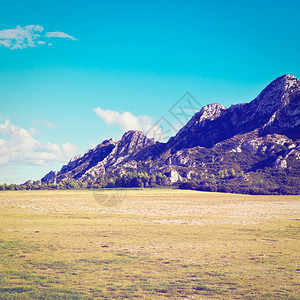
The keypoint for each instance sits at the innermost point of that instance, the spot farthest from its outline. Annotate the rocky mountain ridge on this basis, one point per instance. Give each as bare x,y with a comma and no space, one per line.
274,110
252,140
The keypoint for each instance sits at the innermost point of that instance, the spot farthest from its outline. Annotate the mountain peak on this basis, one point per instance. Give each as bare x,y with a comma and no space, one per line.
208,112
132,141
275,96
285,119
287,76
132,133
211,111
278,88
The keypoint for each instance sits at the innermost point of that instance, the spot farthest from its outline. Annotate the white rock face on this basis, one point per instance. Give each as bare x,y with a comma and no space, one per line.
131,164
178,159
207,112
237,149
280,163
211,112
94,172
174,176
252,145
282,141
75,157
295,152
130,143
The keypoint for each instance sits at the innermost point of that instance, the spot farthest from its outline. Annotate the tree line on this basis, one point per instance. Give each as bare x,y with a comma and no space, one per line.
128,179
228,180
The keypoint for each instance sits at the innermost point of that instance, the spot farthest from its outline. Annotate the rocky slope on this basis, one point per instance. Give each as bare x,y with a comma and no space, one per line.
243,148
104,158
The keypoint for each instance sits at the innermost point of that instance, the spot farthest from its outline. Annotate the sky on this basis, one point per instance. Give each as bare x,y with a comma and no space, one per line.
74,73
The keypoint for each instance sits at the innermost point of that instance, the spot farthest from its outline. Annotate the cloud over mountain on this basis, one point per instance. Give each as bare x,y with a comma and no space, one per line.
125,120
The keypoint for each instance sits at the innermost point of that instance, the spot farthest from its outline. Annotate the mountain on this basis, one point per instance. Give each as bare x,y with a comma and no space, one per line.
249,148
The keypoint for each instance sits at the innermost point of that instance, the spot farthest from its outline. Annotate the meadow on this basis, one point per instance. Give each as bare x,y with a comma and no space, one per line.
148,244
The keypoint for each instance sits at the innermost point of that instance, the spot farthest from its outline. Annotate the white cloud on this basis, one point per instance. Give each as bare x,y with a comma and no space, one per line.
160,130
59,34
27,36
68,148
45,122
6,43
126,120
20,147
20,37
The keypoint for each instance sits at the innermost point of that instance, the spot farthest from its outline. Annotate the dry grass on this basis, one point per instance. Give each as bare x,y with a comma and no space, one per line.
156,244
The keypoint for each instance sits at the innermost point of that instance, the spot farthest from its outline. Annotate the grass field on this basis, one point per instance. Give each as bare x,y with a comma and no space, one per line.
155,244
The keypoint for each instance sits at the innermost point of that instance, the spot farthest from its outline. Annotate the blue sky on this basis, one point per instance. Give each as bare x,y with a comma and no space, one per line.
73,73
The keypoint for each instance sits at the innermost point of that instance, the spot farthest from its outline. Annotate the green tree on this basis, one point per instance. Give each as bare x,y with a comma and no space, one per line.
111,183
233,173
221,174
226,173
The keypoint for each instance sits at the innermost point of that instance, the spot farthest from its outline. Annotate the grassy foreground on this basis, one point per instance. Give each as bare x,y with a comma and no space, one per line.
154,244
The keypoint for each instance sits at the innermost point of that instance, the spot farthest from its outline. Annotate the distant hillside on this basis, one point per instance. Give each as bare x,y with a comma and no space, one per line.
247,148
